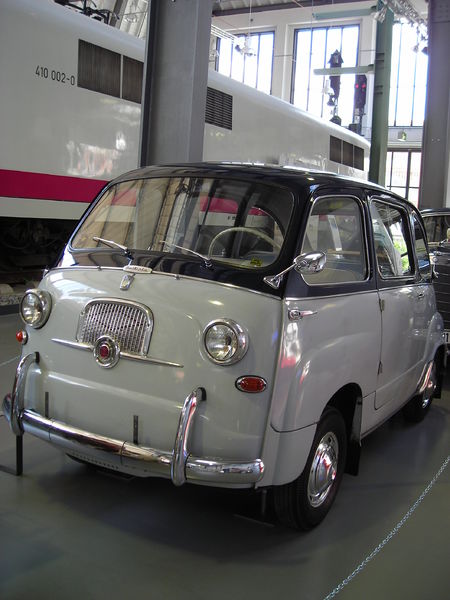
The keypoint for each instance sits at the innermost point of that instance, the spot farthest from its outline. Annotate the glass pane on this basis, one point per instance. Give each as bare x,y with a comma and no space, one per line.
237,65
414,169
225,49
318,61
251,62
420,91
238,222
301,74
335,228
388,169
350,37
399,168
396,36
401,191
265,62
390,237
413,196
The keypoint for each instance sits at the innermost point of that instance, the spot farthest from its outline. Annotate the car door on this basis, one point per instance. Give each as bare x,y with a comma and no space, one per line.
401,298
332,334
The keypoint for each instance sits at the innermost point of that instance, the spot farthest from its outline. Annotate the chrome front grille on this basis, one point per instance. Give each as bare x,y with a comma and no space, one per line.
129,323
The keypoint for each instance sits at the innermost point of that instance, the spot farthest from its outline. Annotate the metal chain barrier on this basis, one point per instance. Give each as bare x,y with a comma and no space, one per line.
394,531
9,361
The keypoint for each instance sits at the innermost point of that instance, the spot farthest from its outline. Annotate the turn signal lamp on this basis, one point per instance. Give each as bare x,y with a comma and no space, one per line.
22,337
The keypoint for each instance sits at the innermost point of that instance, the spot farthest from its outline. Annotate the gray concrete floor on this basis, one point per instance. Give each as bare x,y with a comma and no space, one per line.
69,532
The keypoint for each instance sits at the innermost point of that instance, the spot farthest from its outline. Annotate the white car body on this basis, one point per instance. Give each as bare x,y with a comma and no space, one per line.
363,345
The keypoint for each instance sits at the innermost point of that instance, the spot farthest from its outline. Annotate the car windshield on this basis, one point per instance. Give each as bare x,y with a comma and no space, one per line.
238,222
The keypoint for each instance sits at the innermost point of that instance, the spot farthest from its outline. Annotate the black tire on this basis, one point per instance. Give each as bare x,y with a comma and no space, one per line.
304,503
418,407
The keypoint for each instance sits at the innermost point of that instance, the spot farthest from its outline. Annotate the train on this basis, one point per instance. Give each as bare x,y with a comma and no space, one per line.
70,121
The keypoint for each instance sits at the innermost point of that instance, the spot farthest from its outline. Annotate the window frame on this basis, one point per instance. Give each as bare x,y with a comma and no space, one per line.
252,34
360,205
327,28
399,280
390,156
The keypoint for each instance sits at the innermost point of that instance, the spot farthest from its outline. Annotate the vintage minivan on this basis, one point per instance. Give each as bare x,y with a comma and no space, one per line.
234,326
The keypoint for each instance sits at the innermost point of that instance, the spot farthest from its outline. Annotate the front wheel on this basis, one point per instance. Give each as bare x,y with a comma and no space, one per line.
304,502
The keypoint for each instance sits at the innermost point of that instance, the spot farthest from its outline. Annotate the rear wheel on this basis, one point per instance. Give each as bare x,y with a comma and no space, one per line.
417,407
304,503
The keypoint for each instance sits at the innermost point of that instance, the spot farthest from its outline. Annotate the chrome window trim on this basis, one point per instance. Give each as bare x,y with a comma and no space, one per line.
361,204
402,209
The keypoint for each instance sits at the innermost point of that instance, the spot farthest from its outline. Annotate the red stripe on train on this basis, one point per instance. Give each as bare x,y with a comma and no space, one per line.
23,184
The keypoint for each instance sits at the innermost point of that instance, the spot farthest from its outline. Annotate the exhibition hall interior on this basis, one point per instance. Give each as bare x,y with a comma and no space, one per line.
224,299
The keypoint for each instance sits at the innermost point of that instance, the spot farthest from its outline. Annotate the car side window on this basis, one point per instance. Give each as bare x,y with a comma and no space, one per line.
335,227
390,228
423,258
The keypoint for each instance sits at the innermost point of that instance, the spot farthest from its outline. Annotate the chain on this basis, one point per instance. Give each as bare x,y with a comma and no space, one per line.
394,531
9,361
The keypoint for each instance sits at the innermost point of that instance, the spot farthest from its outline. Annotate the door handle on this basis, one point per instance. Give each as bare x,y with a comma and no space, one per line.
296,315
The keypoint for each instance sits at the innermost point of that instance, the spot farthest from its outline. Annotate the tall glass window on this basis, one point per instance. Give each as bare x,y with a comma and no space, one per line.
250,60
408,78
312,50
403,173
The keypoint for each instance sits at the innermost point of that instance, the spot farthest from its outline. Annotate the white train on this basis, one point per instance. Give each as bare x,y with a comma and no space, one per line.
70,118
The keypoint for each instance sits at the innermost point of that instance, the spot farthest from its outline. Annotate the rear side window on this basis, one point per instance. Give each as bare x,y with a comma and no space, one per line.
335,227
390,227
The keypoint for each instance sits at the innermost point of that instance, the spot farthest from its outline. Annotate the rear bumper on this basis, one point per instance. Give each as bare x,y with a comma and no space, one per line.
178,465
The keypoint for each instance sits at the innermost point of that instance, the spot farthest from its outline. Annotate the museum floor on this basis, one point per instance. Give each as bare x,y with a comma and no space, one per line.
67,531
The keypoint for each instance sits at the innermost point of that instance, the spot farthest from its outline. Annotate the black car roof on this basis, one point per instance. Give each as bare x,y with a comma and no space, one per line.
274,173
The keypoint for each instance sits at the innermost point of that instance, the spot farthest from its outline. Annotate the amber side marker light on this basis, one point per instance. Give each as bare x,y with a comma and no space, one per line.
22,337
251,384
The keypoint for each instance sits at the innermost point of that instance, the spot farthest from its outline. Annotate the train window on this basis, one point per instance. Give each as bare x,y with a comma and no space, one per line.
358,158
98,69
335,149
132,79
347,154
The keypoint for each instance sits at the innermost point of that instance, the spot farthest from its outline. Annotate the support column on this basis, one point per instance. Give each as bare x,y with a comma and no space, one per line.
175,81
434,181
380,109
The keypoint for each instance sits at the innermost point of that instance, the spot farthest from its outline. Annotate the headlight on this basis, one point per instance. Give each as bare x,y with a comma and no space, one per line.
35,308
225,341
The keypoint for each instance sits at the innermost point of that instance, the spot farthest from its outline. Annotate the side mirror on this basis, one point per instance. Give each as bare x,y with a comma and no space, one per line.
311,262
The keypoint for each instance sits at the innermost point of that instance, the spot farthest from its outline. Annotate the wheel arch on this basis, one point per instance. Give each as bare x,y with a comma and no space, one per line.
348,401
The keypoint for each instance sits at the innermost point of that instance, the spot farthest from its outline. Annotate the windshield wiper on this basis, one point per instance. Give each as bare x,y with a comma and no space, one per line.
205,259
113,244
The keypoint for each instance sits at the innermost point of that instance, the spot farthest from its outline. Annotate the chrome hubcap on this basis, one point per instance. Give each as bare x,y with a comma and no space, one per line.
323,469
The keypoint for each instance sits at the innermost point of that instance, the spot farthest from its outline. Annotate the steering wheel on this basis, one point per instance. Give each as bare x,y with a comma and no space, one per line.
256,232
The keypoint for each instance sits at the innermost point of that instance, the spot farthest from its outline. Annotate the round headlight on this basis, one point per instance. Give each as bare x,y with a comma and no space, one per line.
35,308
226,342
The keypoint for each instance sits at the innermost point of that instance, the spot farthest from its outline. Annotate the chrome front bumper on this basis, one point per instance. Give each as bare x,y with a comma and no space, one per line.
178,464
